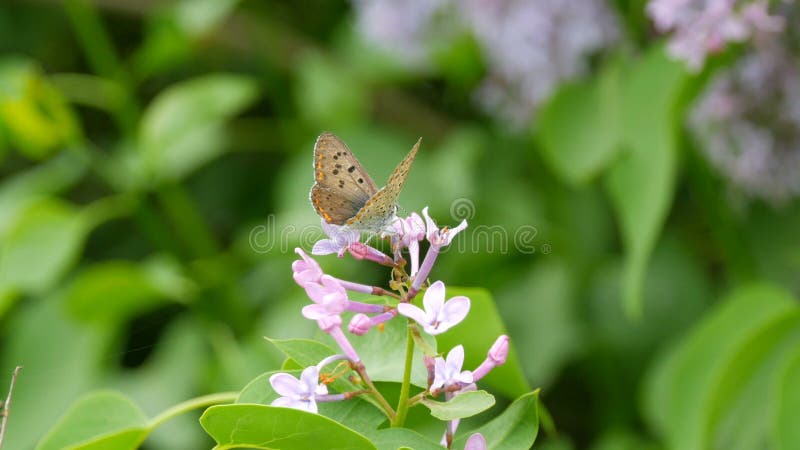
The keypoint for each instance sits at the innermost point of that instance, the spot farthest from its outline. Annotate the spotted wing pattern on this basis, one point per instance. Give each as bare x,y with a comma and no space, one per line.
342,187
378,212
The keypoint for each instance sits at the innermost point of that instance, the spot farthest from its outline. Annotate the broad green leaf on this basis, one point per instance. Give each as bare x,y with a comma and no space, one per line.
183,127
47,227
641,182
705,390
477,333
50,177
35,116
462,405
541,312
515,429
401,438
59,359
101,420
356,413
275,428
116,290
579,129
329,94
787,395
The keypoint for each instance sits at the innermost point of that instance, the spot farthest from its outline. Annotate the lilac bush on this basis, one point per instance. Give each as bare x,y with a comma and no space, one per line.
447,377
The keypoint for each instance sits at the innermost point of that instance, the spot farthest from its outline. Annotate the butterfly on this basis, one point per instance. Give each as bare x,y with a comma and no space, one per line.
344,194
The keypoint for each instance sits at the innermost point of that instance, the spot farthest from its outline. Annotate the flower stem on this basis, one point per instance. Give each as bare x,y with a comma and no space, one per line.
402,405
188,405
362,372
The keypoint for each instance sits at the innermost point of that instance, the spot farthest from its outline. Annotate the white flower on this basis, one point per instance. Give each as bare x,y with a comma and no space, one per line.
298,394
438,316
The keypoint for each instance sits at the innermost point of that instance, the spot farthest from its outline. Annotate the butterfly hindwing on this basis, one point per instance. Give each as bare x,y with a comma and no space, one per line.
342,187
378,211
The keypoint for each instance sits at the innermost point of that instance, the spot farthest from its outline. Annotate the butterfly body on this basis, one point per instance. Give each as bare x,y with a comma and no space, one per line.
344,194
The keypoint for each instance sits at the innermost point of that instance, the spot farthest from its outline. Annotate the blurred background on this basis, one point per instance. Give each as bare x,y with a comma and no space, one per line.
641,158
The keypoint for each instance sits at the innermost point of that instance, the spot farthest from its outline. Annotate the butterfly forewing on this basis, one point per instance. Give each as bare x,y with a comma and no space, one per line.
378,211
341,187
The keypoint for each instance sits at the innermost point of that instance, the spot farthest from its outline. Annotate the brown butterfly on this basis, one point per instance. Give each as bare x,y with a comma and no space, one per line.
343,192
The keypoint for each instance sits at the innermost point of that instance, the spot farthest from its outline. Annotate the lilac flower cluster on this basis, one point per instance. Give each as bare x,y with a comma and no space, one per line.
703,27
530,46
330,300
748,123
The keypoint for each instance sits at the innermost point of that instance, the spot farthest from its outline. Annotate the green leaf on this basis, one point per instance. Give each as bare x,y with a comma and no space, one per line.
50,177
516,428
462,405
641,183
275,428
401,438
579,129
117,290
183,127
34,115
477,333
787,433
101,420
709,393
60,361
328,94
47,227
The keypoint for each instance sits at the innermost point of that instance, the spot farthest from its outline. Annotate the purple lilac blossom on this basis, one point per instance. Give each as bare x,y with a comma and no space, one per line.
703,27
448,370
299,394
529,46
339,239
476,442
747,122
438,315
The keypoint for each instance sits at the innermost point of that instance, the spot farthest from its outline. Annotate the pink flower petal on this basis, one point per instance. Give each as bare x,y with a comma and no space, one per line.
413,312
455,310
285,384
476,442
434,299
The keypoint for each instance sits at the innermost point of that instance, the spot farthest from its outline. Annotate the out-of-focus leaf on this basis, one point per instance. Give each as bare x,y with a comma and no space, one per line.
462,405
35,116
49,177
580,128
543,320
641,183
401,438
356,414
60,361
787,396
276,428
183,127
516,428
327,94
116,290
704,393
40,245
101,420
170,375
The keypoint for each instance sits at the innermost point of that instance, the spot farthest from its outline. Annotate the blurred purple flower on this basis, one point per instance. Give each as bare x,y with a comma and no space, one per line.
476,442
703,27
530,46
305,270
748,122
329,297
438,316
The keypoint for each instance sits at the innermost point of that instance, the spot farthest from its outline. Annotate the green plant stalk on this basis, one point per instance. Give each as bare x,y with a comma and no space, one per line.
402,404
191,404
387,408
99,49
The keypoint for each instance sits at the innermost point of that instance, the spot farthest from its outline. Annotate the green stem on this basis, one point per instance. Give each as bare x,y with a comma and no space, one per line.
387,408
187,221
102,56
402,405
188,405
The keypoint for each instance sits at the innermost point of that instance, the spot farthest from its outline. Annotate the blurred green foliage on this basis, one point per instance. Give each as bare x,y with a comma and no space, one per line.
143,145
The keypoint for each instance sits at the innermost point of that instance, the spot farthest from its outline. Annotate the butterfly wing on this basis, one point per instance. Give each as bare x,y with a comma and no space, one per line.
378,211
341,186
